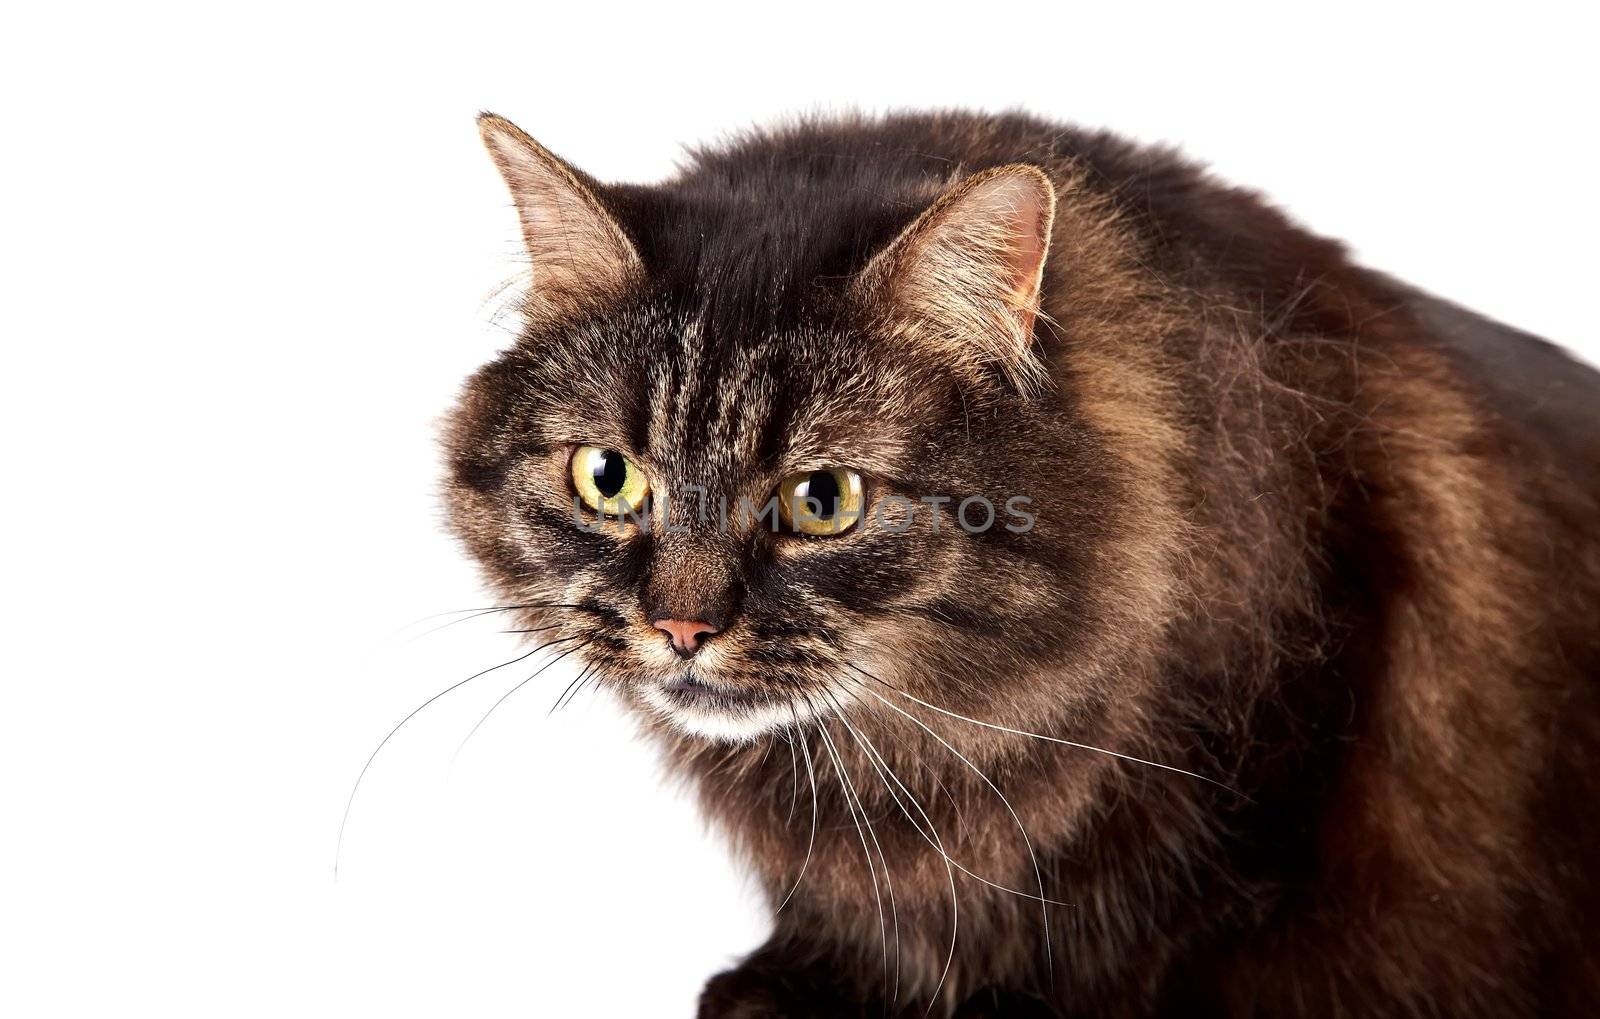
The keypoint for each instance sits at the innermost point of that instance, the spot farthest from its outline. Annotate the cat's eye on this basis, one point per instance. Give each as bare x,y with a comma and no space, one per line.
821,503
607,481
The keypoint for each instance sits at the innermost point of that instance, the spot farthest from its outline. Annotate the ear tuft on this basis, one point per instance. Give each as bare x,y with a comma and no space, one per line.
965,277
580,253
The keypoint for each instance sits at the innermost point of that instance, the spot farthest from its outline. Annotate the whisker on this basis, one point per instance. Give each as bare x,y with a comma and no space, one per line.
570,688
872,870
1050,739
811,773
961,818
596,678
536,672
1032,856
766,752
473,614
589,673
950,860
938,844
356,788
794,791
466,615
888,879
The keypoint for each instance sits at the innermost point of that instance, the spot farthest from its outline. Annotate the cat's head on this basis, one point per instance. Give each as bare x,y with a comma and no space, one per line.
852,469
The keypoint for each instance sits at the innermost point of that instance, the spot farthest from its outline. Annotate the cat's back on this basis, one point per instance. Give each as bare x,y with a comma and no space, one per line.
1551,398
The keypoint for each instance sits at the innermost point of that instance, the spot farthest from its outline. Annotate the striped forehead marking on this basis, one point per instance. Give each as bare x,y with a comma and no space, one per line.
744,402
707,411
677,387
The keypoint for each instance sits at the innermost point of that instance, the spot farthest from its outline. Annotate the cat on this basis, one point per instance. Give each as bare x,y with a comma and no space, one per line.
1266,684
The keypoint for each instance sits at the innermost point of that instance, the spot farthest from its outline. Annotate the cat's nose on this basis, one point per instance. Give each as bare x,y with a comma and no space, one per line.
685,633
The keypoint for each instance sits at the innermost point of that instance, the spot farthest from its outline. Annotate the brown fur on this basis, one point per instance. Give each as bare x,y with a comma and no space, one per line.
1293,536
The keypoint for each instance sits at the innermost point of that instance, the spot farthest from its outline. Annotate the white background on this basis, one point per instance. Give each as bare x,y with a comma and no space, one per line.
247,259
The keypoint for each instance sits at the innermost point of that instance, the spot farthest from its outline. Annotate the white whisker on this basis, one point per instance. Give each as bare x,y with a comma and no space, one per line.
794,772
1049,739
872,870
811,774
873,758
887,878
344,821
950,860
1027,841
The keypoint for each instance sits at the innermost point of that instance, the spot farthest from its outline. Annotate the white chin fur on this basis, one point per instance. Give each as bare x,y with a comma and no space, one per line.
734,725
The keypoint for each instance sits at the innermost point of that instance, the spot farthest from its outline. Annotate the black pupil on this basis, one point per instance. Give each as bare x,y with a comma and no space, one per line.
610,470
819,496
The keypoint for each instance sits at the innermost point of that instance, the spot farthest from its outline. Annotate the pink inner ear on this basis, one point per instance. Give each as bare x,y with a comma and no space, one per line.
964,277
1023,208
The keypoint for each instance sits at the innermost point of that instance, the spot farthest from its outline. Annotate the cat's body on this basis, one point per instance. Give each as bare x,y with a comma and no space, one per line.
1326,542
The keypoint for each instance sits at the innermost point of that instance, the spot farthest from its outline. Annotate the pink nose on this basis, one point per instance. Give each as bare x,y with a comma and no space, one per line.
685,633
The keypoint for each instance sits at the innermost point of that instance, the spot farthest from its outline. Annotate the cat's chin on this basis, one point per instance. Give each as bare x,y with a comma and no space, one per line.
717,713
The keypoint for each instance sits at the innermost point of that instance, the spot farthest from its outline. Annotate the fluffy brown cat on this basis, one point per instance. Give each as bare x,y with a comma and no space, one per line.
1074,589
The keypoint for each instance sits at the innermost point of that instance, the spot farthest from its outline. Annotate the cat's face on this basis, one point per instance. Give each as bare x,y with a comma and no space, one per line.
866,493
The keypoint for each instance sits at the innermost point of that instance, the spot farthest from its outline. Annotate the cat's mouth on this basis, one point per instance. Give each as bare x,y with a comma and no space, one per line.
702,707
688,690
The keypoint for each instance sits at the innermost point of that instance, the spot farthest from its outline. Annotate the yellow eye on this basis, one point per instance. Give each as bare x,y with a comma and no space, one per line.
607,481
821,503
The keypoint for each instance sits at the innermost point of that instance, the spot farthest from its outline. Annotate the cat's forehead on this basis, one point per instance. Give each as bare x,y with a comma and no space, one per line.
779,399
679,392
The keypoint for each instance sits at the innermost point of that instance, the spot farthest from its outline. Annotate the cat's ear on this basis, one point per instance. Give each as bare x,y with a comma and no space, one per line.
965,276
580,254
